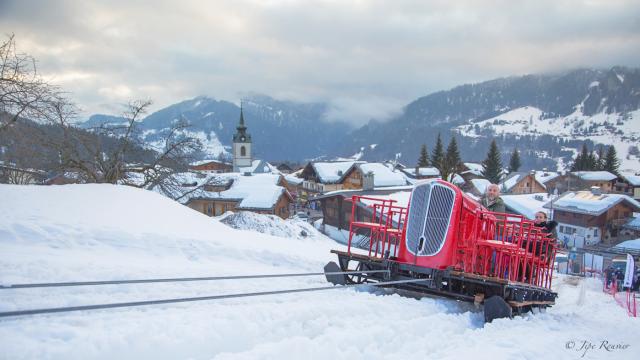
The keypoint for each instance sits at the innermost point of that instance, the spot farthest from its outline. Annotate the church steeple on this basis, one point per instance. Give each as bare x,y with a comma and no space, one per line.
241,135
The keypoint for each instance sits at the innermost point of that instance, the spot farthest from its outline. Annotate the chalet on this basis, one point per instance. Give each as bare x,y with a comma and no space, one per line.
211,166
336,207
477,187
526,205
628,184
582,180
322,177
521,183
284,168
471,171
377,174
631,229
591,217
258,193
419,173
543,176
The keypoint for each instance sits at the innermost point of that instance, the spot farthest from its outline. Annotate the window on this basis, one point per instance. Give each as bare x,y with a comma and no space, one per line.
210,209
243,151
595,232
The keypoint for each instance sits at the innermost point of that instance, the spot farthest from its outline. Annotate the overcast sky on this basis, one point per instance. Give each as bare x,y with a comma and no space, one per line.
366,58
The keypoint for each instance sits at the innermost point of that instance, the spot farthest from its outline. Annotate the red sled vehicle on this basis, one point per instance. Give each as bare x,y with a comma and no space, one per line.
460,249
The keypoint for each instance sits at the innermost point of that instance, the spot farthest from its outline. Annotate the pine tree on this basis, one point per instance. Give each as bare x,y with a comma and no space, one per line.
514,162
437,156
492,165
600,163
423,160
452,160
580,163
591,163
611,162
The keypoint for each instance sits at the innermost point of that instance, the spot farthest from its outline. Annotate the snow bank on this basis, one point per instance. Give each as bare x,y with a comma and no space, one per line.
272,225
88,232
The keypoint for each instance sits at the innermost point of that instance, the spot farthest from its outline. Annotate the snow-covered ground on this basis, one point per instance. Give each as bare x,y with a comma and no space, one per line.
272,225
101,232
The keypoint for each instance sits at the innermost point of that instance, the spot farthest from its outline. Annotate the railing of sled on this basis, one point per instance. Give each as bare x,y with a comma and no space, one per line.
385,225
499,245
510,247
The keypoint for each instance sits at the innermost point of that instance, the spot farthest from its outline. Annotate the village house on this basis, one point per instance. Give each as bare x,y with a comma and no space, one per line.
628,184
259,193
521,183
544,176
337,205
212,166
591,217
582,180
527,205
320,176
284,168
420,173
471,170
477,187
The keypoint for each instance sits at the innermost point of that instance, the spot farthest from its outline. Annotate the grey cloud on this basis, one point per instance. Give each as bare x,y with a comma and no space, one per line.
366,59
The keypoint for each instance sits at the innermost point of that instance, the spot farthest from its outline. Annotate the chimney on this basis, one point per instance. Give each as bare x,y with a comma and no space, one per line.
595,190
367,181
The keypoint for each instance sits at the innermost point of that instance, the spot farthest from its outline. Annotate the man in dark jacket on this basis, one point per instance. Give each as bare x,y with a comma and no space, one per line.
492,200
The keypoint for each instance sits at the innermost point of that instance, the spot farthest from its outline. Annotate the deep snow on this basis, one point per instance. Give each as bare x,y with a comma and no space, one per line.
99,232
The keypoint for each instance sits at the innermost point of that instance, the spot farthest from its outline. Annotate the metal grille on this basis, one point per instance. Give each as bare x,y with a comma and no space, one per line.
429,216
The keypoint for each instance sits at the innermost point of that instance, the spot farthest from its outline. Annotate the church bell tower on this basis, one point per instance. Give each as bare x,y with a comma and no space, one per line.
241,145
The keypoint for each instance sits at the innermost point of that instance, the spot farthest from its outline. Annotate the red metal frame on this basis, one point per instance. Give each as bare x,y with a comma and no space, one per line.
386,227
478,241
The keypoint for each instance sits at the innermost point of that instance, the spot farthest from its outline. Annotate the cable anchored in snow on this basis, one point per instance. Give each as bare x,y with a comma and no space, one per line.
192,299
185,279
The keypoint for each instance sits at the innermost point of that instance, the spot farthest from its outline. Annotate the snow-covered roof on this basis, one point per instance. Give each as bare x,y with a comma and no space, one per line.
595,175
259,191
585,202
259,167
382,175
544,176
457,180
207,161
331,172
512,180
631,178
528,204
634,223
474,168
630,244
480,185
292,179
423,171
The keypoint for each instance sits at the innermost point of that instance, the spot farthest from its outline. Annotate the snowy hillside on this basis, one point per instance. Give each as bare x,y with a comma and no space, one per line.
100,232
281,130
621,130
